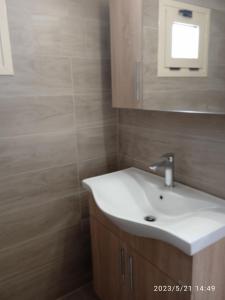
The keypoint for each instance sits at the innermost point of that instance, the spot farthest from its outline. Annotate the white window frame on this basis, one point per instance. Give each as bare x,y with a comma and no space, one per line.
177,67
6,63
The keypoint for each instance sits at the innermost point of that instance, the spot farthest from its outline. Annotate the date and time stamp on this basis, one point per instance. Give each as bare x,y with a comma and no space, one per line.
184,288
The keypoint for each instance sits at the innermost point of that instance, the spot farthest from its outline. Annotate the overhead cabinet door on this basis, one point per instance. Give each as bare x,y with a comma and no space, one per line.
126,52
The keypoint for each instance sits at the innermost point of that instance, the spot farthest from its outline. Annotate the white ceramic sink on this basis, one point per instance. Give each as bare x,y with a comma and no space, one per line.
186,218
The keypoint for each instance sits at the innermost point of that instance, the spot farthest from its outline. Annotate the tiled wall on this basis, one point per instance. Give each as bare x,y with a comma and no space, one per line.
56,127
185,94
198,142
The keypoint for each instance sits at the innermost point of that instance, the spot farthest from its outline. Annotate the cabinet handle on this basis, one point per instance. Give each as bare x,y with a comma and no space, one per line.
130,268
122,263
138,81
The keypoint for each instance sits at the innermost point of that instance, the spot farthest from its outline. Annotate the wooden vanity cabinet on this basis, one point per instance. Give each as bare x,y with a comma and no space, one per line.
147,278
119,271
106,261
127,267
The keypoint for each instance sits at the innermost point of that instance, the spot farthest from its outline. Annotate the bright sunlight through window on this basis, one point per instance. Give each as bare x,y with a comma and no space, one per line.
185,41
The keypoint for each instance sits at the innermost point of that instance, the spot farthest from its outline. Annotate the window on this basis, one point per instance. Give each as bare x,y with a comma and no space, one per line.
183,39
6,65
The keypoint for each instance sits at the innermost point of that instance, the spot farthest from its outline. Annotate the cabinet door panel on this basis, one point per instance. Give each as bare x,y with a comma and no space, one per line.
126,52
106,262
146,277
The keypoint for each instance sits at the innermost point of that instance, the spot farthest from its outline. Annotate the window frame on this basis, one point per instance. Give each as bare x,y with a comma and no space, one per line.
6,63
182,67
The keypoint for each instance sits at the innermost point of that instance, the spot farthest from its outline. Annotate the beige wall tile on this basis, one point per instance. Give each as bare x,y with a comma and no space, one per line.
55,36
197,141
98,166
94,109
39,187
200,88
54,43
29,153
85,293
97,39
90,75
96,142
196,125
43,249
48,281
90,9
63,272
84,197
38,76
19,224
150,13
29,115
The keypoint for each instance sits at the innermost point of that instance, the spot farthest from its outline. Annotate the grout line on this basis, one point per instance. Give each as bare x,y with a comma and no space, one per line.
169,133
74,163
39,170
97,157
73,293
71,130
118,138
107,123
76,130
60,132
37,237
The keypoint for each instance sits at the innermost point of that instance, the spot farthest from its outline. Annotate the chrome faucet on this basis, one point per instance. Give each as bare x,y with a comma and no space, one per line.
167,163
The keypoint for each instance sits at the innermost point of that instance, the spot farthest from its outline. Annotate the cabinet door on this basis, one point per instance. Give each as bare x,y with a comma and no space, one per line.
106,262
144,278
126,52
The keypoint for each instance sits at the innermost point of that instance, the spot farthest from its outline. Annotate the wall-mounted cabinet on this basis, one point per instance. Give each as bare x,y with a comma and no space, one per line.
153,68
126,50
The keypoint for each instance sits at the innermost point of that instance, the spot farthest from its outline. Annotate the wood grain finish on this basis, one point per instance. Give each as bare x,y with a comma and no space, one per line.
199,94
196,140
105,253
152,263
147,277
98,107
208,270
164,256
138,41
126,51
35,220
61,56
46,282
91,75
23,154
32,115
96,142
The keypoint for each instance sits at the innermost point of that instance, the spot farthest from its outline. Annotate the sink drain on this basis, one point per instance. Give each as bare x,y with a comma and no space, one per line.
150,219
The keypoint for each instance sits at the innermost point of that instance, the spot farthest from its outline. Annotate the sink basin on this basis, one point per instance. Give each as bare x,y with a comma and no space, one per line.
140,204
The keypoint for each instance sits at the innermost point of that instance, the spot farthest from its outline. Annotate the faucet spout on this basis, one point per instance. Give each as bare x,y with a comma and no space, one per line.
167,163
160,164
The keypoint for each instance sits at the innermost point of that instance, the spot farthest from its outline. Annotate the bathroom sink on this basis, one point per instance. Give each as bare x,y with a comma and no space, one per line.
140,204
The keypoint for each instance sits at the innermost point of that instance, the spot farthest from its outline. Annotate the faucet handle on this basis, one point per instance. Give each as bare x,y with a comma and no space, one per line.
170,156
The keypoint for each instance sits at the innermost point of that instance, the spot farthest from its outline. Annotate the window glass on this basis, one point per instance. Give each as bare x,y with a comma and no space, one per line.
185,41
